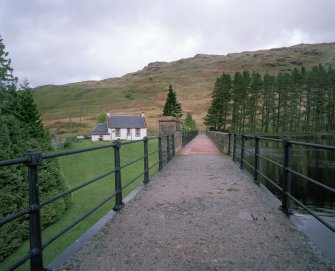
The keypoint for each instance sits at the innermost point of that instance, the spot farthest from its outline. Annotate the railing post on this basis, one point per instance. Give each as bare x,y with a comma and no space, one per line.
173,146
160,164
118,185
146,160
234,148
242,152
287,178
183,139
168,148
229,142
36,260
256,179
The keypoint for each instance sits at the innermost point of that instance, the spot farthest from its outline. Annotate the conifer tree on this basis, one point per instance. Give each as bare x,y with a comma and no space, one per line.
220,109
172,107
189,123
21,129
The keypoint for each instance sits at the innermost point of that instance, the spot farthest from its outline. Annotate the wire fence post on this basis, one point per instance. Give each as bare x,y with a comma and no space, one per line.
118,186
287,178
168,148
256,177
146,160
160,164
36,260
242,151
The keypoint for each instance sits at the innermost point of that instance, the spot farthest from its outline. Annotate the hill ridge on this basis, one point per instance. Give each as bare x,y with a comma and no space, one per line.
145,90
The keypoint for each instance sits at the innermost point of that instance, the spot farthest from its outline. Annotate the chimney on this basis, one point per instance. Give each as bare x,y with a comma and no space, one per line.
108,115
142,114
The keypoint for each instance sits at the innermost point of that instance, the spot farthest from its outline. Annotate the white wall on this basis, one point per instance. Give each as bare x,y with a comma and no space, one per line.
105,138
123,135
132,136
95,138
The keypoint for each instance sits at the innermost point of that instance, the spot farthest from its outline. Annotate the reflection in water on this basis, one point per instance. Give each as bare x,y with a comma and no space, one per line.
316,164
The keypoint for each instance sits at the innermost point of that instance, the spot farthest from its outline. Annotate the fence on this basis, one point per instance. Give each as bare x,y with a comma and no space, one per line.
220,140
188,136
239,151
33,160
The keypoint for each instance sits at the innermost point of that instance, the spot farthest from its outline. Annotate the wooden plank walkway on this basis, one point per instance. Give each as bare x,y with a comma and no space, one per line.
201,212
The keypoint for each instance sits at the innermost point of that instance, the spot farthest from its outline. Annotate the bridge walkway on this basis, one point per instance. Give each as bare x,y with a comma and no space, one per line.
201,212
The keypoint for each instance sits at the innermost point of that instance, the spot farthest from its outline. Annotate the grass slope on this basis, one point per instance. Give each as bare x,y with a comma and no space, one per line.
145,90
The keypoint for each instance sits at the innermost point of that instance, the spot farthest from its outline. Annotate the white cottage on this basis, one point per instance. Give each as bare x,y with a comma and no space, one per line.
120,127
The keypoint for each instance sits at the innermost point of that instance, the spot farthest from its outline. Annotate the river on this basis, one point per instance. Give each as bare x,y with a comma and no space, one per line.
316,164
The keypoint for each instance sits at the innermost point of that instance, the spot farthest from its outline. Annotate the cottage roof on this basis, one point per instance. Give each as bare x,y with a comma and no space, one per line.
121,121
100,129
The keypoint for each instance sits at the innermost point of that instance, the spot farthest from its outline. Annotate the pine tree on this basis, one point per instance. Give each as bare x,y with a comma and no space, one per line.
189,124
219,111
21,129
172,107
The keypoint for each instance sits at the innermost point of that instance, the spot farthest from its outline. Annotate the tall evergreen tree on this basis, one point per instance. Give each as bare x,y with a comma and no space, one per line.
172,107
21,129
218,112
297,101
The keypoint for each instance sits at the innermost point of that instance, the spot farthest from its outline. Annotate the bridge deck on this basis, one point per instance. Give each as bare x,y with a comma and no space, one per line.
201,212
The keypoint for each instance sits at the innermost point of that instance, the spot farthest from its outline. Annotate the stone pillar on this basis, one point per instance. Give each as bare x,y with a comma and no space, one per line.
168,126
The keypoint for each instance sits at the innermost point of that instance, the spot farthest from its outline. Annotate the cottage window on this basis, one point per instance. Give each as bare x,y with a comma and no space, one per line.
117,132
138,132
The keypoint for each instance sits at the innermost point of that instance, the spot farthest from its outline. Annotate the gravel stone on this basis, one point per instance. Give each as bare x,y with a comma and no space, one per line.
201,212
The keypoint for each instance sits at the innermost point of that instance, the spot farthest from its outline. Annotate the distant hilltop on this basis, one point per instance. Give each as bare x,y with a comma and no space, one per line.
145,90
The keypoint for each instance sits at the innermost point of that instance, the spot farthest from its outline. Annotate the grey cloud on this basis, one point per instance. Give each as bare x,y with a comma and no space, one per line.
60,41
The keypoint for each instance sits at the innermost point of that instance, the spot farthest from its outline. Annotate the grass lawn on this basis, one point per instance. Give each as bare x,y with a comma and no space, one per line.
77,169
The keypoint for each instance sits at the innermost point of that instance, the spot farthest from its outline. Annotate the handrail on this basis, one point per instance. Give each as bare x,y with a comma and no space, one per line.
188,136
285,188
33,160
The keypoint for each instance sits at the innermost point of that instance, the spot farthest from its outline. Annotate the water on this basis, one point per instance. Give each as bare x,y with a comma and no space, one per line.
316,164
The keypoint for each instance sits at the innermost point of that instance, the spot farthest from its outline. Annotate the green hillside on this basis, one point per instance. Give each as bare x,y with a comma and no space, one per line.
74,107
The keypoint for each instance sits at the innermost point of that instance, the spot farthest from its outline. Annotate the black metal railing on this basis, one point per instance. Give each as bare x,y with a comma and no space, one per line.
220,140
33,159
239,151
188,136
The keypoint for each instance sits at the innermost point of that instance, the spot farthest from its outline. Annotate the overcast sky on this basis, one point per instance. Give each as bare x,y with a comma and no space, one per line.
63,41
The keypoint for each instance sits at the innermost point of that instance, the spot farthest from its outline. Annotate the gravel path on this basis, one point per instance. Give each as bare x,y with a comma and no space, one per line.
201,212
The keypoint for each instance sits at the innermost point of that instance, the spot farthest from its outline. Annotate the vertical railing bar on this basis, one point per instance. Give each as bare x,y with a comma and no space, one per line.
168,148
256,177
118,185
36,260
146,160
173,146
229,142
242,151
160,153
234,148
287,178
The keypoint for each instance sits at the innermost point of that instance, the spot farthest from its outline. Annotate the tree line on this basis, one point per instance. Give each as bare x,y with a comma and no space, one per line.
21,129
297,101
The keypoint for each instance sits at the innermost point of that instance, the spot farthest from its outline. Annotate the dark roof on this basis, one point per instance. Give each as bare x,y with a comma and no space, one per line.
100,129
117,121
